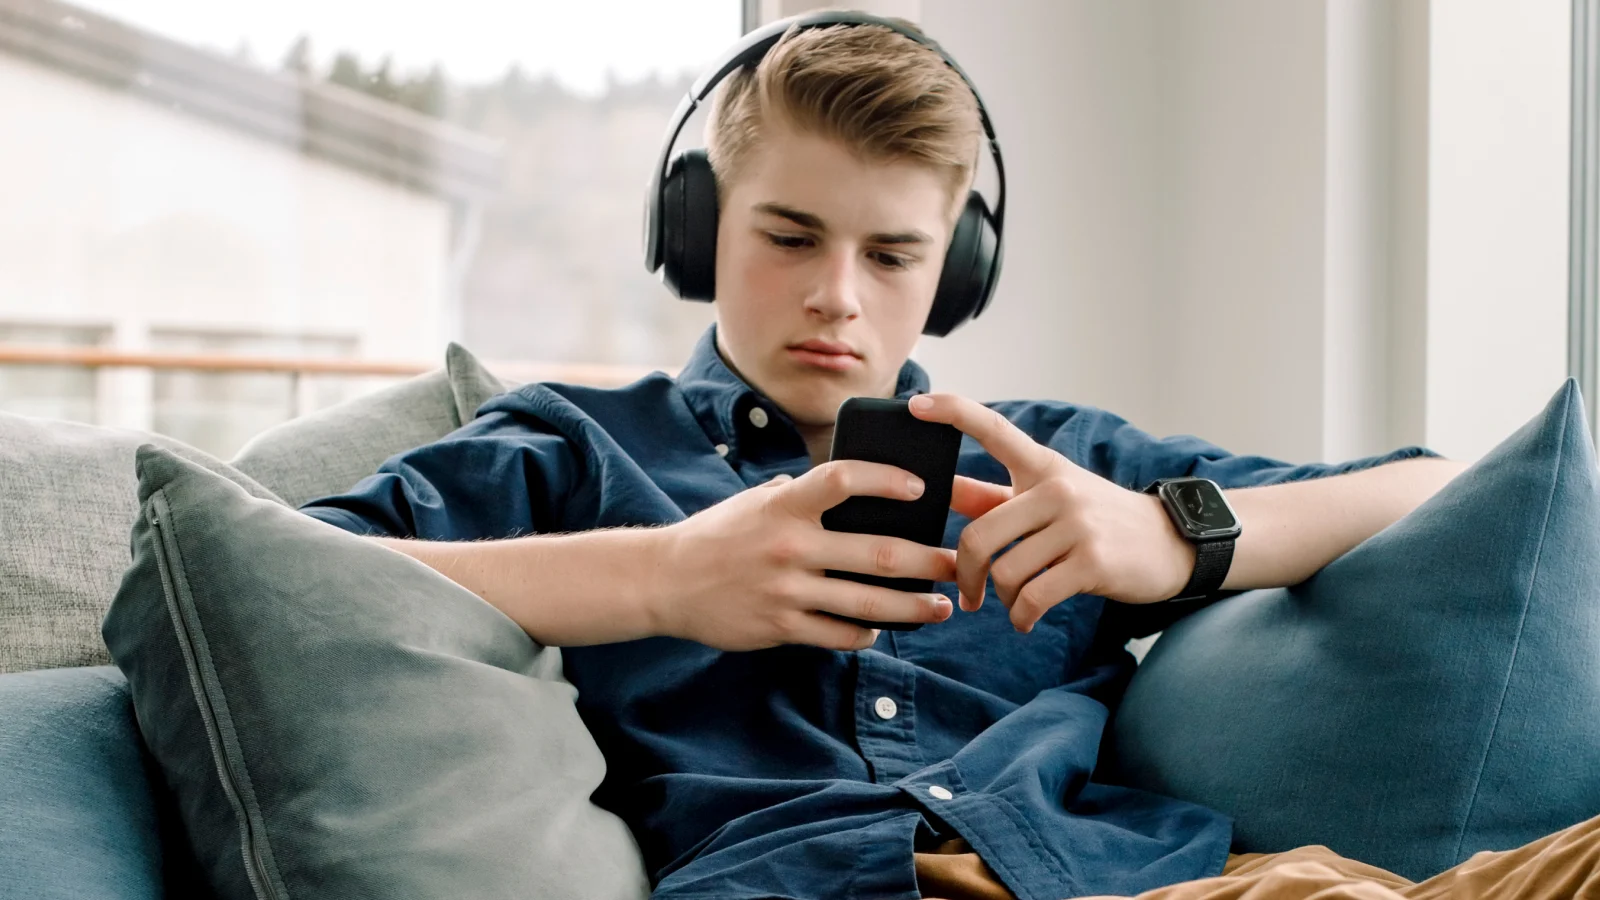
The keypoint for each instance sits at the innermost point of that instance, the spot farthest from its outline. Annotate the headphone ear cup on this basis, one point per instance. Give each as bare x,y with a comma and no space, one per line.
689,227
970,266
670,225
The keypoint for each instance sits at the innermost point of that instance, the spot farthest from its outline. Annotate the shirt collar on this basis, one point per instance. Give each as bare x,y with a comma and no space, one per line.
722,401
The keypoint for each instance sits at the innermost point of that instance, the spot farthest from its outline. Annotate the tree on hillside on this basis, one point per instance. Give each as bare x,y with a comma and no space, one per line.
346,71
298,59
428,95
381,83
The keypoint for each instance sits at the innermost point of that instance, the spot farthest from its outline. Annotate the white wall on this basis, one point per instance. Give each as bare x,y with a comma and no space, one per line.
122,213
1313,230
1073,89
1497,236
1242,264
1165,239
1358,288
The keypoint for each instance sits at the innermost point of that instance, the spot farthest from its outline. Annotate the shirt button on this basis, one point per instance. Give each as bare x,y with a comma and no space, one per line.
722,449
885,708
758,417
940,792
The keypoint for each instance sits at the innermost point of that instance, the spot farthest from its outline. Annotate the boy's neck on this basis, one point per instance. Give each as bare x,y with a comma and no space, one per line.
819,442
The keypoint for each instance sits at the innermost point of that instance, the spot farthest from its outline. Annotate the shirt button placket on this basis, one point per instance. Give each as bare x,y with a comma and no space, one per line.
885,724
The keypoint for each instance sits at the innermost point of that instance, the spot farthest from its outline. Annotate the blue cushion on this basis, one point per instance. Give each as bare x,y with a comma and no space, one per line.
1432,693
77,818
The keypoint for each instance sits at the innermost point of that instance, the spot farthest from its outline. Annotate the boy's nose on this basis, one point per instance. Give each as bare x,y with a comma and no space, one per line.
836,296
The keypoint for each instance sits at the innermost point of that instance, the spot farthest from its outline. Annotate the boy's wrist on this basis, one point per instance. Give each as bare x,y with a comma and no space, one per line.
652,573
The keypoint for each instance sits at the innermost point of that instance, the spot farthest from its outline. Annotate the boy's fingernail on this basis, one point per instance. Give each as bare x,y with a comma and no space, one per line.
922,401
915,485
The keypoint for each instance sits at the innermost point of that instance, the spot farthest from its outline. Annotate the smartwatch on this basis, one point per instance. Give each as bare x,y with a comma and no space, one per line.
1205,519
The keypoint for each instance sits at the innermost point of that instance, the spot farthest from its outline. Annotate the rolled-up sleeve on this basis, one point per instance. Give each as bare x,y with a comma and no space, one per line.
493,478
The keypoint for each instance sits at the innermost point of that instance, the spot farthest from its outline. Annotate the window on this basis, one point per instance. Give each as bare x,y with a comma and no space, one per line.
219,411
1583,290
51,391
369,180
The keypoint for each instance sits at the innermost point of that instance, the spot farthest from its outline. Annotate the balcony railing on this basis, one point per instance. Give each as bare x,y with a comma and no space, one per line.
600,375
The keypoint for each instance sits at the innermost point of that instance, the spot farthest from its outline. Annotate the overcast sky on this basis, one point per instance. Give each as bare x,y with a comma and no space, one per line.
475,40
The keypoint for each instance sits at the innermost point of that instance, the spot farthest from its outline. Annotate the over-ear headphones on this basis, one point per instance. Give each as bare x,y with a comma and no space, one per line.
680,227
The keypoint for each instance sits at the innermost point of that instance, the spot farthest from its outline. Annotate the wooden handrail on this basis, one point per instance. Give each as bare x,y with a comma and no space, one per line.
97,357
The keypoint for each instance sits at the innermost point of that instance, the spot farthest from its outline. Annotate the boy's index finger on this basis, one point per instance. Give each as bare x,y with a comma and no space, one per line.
1005,442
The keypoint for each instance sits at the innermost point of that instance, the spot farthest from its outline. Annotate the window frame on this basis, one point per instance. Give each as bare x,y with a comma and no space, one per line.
1583,259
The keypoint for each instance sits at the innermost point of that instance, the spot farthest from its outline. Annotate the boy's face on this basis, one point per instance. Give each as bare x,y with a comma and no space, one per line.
826,270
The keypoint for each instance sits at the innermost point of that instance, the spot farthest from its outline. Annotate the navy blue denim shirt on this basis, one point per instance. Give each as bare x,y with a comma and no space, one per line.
802,772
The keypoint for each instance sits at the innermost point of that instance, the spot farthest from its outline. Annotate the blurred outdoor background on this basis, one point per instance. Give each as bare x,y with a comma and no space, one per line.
315,181
1310,229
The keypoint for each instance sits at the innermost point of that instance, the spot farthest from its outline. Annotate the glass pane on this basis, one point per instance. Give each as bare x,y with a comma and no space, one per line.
219,411
53,391
376,178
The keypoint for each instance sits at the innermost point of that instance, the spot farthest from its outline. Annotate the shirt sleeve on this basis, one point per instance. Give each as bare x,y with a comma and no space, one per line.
1112,448
1109,446
498,476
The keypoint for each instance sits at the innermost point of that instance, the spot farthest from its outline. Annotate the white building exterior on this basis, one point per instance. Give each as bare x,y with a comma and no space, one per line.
155,197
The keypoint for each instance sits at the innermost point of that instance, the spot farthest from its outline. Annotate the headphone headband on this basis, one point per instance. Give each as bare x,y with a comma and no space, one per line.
753,47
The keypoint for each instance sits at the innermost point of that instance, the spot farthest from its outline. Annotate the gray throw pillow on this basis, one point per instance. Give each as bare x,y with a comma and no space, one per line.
338,720
1432,693
328,451
67,502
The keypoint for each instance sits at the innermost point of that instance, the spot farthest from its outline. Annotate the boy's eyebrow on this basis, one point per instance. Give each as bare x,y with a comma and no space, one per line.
809,220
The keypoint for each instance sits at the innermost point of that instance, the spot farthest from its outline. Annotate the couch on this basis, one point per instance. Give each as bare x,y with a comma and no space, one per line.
1363,710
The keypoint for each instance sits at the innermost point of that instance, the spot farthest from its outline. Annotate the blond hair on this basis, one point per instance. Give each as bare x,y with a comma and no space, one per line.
887,97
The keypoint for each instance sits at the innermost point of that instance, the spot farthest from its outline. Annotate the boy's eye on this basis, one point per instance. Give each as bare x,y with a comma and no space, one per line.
801,242
789,241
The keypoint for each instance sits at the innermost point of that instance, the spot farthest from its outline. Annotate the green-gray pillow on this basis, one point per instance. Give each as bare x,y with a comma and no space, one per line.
338,720
327,451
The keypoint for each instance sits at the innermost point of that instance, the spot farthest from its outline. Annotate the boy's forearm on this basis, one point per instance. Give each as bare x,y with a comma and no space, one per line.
1293,530
567,590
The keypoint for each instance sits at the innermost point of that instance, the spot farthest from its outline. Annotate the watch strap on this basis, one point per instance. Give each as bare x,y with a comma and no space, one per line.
1212,559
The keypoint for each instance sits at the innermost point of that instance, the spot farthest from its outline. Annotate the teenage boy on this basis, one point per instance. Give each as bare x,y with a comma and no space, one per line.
666,535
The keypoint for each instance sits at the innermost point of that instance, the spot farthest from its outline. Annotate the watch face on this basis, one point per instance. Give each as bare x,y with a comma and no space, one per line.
1202,507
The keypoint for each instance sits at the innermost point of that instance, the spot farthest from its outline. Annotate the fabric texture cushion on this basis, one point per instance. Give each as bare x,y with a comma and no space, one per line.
328,451
67,503
78,820
338,720
1433,693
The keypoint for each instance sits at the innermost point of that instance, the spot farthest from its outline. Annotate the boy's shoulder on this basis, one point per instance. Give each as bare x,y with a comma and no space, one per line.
1040,417
554,400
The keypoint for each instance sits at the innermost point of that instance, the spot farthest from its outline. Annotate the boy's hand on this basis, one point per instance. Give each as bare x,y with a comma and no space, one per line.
747,573
1078,533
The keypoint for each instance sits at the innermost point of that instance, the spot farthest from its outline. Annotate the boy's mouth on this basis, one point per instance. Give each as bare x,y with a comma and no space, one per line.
830,355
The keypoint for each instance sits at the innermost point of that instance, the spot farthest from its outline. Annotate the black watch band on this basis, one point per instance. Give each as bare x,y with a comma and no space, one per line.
1212,559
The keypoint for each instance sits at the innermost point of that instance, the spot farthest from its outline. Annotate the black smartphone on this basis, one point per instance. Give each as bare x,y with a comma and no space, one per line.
884,431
